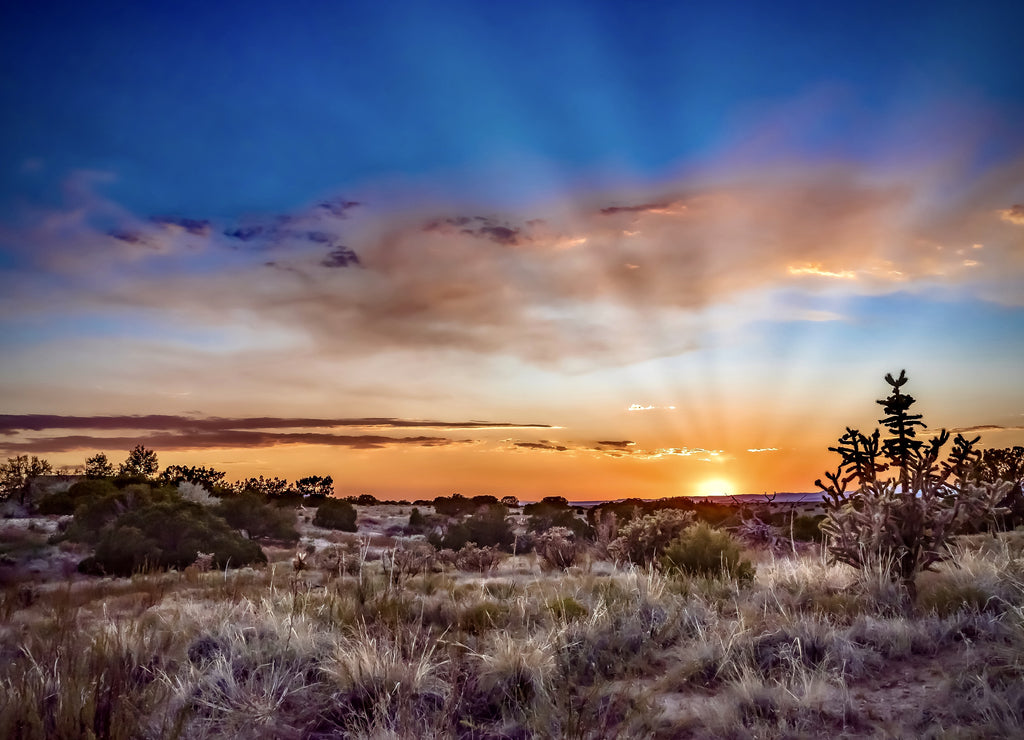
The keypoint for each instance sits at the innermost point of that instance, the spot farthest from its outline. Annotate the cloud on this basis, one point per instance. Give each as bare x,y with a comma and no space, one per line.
1013,215
763,449
619,448
987,428
641,407
542,445
661,209
340,257
555,285
170,432
13,423
220,438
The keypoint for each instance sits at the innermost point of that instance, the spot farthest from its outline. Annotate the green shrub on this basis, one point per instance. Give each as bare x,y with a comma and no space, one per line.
642,540
487,528
57,503
566,608
259,519
704,551
168,535
336,514
65,502
808,528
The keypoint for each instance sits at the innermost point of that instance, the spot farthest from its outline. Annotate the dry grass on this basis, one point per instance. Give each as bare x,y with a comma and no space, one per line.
346,648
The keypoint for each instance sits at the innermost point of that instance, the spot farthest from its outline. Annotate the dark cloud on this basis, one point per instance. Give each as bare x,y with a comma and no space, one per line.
480,227
14,423
200,439
500,234
128,237
246,233
621,445
340,257
542,445
644,208
339,207
199,227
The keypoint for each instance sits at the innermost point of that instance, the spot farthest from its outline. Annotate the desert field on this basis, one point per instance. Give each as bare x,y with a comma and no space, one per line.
377,634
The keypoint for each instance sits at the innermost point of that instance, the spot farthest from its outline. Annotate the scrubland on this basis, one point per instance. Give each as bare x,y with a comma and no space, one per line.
375,634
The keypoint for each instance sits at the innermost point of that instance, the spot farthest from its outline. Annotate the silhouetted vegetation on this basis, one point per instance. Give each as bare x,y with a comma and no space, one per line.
489,527
141,464
336,514
258,518
168,534
903,523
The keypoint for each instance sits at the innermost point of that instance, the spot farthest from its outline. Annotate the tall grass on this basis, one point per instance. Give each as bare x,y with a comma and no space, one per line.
365,648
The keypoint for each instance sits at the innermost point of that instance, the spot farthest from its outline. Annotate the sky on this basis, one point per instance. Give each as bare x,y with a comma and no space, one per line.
593,249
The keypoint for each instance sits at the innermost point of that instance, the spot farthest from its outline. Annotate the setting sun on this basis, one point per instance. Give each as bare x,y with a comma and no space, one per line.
716,487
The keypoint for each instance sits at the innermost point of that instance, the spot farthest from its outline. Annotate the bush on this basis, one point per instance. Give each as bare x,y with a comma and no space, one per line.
554,511
336,514
642,540
487,528
168,535
557,548
259,519
808,528
704,551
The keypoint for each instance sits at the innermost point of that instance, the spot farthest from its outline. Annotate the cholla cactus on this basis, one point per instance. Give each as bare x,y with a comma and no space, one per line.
903,523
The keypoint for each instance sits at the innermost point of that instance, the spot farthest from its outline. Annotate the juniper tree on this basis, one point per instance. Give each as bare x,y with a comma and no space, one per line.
905,505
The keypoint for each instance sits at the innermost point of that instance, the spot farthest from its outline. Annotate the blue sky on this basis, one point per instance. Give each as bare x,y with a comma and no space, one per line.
217,109
740,214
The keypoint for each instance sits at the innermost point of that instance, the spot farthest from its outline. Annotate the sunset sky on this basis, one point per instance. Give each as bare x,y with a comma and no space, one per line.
586,249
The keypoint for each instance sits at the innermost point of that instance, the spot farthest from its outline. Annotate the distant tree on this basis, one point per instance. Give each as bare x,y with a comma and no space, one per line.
261,486
208,478
315,485
510,501
17,473
141,463
98,466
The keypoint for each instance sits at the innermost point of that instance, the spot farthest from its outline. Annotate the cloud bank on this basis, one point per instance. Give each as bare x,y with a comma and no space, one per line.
598,280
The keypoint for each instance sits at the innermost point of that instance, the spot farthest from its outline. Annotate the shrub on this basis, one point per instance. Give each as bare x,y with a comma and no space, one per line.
557,548
487,528
808,528
168,535
642,540
477,559
336,514
554,511
904,523
257,518
704,551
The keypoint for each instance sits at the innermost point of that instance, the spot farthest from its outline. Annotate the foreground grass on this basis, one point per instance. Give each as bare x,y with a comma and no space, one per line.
804,650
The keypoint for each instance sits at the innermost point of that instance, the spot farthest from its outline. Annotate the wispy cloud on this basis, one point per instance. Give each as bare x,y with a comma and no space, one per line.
186,432
216,439
619,448
987,428
562,284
